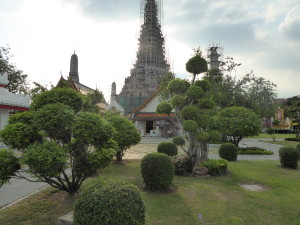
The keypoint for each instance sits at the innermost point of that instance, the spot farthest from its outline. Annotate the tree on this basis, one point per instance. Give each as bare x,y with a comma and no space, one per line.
91,100
17,80
60,146
126,134
292,110
247,91
194,110
37,89
239,122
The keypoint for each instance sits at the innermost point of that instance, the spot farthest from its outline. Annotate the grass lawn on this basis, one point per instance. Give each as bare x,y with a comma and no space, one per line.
220,200
292,144
264,135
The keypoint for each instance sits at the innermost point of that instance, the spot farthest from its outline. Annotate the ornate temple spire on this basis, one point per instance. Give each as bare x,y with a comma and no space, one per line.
151,63
74,68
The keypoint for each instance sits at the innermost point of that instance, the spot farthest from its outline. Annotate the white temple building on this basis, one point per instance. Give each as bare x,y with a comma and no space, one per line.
10,101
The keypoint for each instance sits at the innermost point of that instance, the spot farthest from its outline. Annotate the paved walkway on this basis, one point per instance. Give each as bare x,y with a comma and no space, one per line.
149,144
20,188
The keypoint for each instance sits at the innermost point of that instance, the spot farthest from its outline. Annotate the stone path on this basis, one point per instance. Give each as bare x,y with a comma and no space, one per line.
18,188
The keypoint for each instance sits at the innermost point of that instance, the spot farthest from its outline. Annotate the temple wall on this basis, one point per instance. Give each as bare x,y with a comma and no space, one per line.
4,114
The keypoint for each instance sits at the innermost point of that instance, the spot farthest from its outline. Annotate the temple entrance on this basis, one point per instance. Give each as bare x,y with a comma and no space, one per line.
149,126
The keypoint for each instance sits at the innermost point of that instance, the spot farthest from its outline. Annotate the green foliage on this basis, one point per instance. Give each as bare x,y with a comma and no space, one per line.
91,129
195,92
204,84
179,141
26,117
178,100
17,80
228,151
19,135
126,134
164,108
112,202
168,148
288,157
214,136
276,122
9,164
298,150
56,121
203,136
190,112
215,166
65,96
55,139
190,125
207,104
47,159
239,122
157,171
183,164
254,151
270,131
178,86
196,65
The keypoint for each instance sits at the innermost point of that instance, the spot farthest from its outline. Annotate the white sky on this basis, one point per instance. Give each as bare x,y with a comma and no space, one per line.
262,35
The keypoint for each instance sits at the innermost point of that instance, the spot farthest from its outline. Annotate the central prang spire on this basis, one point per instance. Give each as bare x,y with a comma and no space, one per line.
151,63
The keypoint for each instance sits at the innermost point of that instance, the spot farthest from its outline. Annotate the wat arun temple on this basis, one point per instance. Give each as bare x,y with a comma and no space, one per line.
151,63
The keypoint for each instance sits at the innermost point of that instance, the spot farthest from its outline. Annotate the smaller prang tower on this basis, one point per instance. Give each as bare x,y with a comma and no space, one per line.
214,54
73,74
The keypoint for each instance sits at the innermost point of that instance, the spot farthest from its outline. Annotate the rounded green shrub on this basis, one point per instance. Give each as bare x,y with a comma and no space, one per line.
168,148
179,141
190,125
203,136
196,65
195,92
204,84
288,157
157,171
298,150
215,166
178,86
112,202
228,151
182,164
190,112
207,104
178,100
164,108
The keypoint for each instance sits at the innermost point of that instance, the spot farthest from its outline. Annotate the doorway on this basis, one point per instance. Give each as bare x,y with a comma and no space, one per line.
149,126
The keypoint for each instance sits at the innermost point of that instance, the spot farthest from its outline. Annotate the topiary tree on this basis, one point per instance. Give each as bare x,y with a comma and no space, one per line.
168,148
60,146
113,202
194,111
239,122
8,165
271,132
126,134
288,157
157,171
228,151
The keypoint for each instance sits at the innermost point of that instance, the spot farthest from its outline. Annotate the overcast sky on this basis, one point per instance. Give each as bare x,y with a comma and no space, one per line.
263,35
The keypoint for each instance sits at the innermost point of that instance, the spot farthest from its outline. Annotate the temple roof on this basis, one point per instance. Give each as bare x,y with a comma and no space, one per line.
10,99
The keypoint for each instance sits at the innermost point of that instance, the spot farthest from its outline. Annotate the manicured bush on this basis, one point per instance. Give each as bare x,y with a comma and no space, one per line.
179,141
254,151
168,148
215,166
292,139
112,202
182,164
228,151
157,171
288,157
298,150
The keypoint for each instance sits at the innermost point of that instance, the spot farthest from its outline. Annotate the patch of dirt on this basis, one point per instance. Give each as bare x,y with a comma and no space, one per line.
255,187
